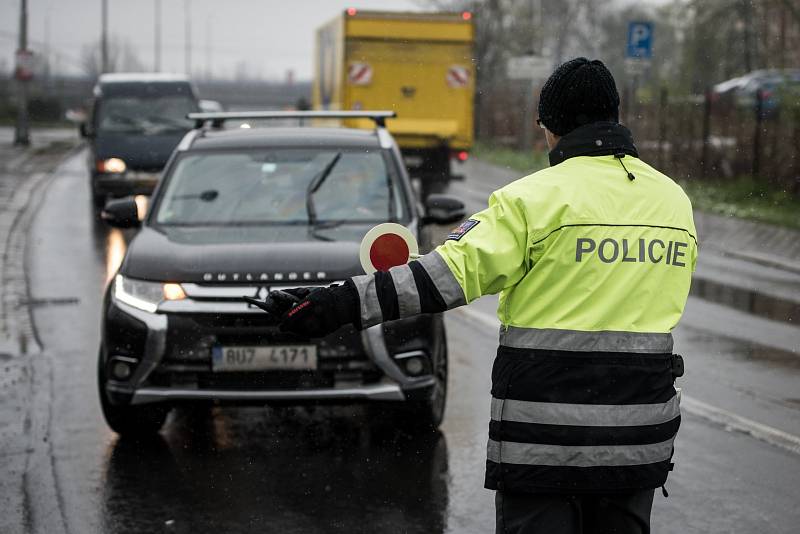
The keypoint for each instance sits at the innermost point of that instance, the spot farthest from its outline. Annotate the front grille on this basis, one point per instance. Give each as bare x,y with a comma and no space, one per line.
192,337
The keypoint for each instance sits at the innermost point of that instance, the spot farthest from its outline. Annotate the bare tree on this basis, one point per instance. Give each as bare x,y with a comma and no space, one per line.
121,57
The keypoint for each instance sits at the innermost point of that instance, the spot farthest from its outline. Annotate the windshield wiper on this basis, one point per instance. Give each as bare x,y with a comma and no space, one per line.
206,196
178,124
313,187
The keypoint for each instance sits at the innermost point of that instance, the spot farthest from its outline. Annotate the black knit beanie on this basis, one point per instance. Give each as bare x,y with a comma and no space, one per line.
578,92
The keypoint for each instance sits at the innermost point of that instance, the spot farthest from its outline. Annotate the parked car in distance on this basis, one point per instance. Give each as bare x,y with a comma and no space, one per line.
135,123
777,88
239,213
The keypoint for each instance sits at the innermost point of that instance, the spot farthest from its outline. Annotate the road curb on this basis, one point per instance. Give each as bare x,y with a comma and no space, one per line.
750,301
26,394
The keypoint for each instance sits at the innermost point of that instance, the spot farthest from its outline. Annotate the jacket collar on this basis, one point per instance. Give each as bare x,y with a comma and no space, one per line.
595,139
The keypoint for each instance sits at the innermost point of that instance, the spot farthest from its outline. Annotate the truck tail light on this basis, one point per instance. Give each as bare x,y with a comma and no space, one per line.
351,11
461,155
466,15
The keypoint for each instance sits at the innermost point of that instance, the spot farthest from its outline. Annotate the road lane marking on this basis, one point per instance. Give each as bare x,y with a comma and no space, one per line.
713,414
733,421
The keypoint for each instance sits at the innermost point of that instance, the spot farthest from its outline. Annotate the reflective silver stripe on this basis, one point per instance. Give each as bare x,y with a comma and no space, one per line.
511,452
406,288
583,341
552,413
443,279
368,297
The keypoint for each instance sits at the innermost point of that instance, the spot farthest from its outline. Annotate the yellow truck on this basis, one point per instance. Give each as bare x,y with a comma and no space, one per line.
417,64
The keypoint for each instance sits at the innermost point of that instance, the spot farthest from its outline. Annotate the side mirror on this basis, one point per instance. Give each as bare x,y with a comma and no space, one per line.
443,209
85,130
121,213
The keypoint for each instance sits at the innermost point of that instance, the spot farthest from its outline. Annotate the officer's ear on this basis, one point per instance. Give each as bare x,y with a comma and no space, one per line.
551,138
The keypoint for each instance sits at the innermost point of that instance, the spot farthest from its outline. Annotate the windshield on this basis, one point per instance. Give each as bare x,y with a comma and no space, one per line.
271,187
145,114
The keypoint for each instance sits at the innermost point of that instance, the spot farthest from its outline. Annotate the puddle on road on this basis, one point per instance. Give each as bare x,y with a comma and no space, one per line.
741,350
254,470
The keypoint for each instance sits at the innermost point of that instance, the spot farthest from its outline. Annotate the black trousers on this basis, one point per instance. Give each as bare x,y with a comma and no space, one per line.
533,513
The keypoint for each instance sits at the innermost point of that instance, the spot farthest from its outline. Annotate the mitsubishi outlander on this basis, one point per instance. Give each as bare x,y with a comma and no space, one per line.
240,212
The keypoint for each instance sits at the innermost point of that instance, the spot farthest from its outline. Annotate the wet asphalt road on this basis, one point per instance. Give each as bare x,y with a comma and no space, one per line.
262,470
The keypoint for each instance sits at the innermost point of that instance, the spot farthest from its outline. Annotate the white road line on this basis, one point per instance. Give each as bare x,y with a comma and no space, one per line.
733,421
713,414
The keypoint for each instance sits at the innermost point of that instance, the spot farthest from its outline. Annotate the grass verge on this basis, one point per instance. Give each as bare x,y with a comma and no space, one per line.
742,197
745,198
518,160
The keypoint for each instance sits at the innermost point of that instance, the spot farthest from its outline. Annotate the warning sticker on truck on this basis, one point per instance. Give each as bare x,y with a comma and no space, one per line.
457,76
359,73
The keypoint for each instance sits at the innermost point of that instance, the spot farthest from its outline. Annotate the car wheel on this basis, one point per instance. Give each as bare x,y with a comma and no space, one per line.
129,421
420,415
428,414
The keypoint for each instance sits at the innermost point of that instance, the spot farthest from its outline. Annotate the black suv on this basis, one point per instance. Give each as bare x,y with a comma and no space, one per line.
243,211
136,122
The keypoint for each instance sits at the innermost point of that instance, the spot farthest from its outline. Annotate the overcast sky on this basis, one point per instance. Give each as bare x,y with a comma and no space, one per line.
265,37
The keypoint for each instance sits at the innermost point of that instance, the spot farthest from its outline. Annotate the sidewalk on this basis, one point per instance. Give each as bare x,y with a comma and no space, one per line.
24,174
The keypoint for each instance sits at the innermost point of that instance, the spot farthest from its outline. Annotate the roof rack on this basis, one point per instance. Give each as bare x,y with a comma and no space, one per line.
218,118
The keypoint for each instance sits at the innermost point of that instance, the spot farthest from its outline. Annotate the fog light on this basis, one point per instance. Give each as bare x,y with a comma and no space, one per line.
121,370
414,366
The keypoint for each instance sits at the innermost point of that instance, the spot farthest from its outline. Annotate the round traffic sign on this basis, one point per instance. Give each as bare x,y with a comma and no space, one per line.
387,245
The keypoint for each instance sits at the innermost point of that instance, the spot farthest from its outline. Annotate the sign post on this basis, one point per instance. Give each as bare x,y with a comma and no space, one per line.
640,40
638,56
529,69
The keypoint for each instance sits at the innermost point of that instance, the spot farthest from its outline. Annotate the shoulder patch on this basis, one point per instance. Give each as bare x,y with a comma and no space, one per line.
459,231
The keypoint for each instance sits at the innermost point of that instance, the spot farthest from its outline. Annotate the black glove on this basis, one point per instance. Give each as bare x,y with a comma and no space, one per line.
278,302
312,312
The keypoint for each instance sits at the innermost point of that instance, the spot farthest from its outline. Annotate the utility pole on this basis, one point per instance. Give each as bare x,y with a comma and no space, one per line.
187,31
208,48
103,36
157,43
21,131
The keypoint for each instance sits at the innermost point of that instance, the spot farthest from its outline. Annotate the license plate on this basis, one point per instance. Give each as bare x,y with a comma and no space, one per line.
264,358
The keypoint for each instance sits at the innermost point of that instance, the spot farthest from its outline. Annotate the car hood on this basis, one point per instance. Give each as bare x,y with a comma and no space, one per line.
137,150
243,254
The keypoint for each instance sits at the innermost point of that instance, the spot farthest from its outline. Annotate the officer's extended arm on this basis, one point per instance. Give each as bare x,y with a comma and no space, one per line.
483,256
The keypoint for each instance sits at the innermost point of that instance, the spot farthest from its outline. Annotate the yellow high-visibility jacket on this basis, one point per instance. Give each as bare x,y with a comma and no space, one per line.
592,259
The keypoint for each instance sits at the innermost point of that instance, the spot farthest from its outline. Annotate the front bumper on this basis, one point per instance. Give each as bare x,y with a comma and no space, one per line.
124,184
155,343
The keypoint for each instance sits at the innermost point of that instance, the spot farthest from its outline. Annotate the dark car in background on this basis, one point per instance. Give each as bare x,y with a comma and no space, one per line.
136,121
242,212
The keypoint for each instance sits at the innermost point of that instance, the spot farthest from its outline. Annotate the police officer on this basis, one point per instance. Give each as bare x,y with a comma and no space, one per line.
592,258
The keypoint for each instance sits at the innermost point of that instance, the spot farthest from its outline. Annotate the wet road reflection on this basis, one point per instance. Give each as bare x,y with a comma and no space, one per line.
257,470
242,469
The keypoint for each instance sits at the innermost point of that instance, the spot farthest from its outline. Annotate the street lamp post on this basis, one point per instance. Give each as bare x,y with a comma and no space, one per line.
21,130
187,18
104,36
157,43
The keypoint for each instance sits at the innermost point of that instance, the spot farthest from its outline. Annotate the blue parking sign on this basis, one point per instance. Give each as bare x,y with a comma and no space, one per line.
640,40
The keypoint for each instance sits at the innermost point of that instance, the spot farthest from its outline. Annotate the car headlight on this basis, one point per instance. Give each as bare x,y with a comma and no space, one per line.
145,295
111,165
